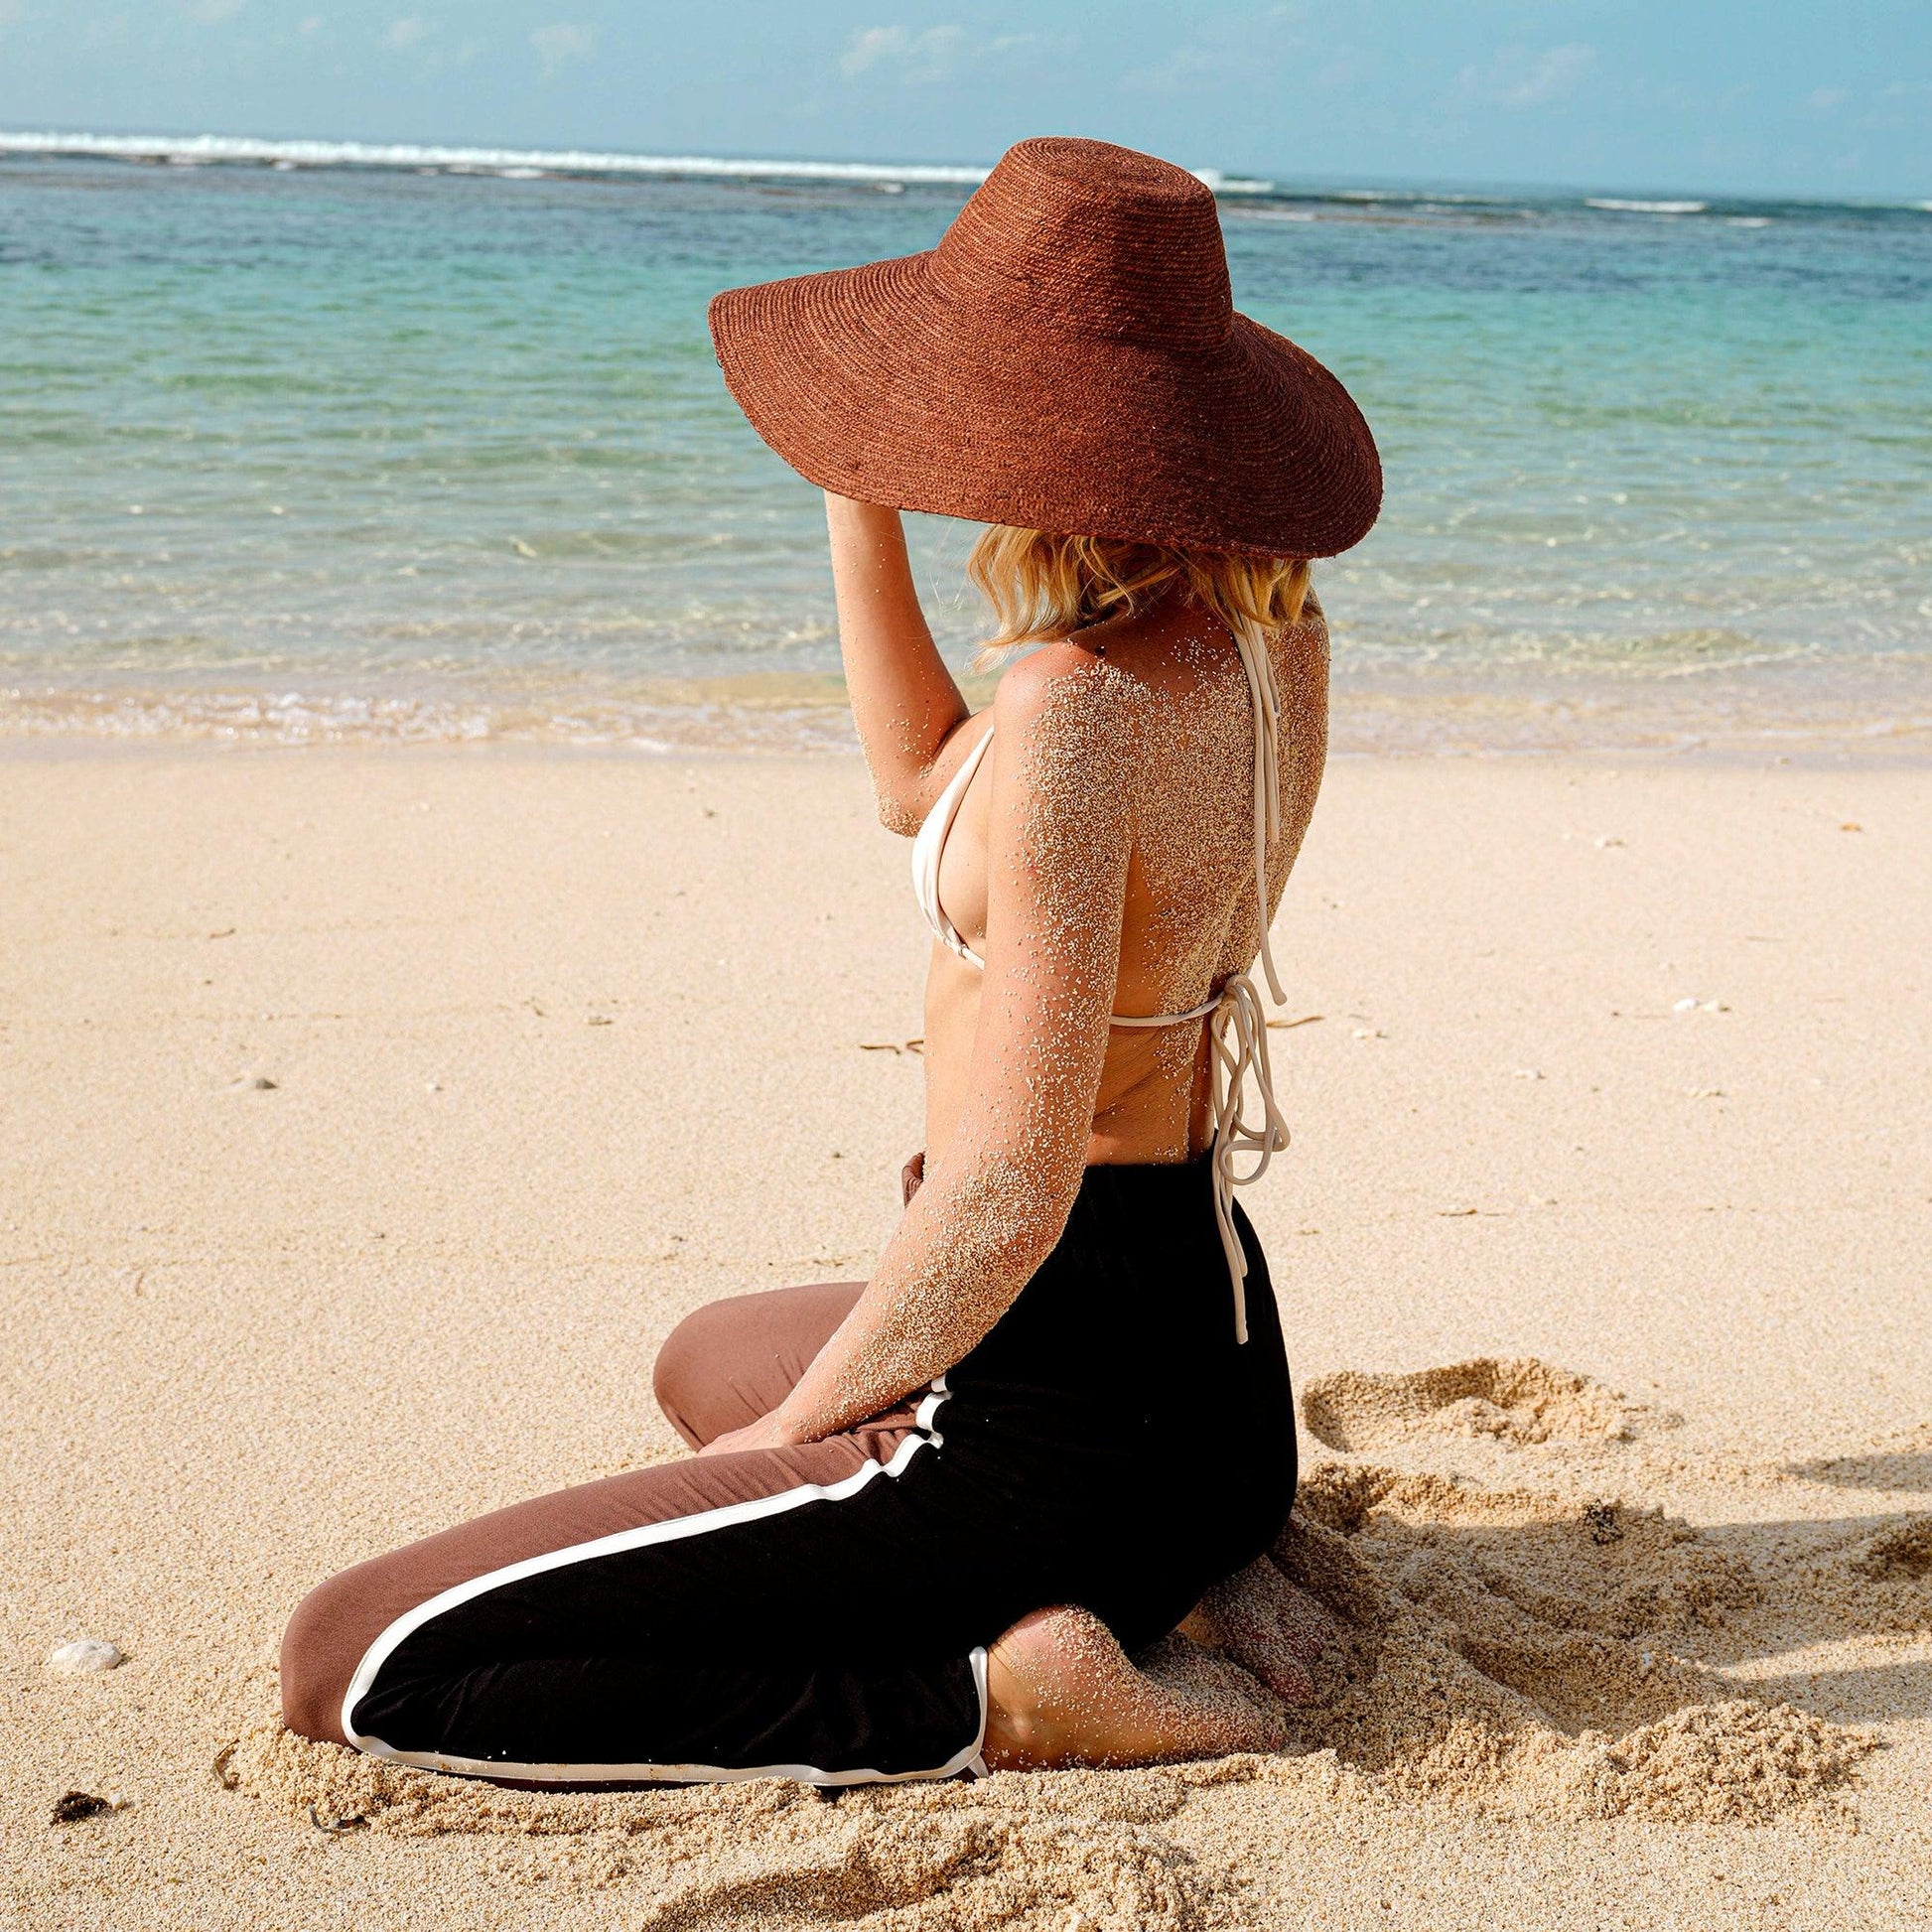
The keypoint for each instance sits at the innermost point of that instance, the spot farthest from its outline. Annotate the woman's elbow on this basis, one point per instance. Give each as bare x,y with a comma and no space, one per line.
1026,1211
898,795
897,812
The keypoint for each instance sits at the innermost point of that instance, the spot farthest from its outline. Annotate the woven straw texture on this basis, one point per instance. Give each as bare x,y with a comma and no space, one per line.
1069,358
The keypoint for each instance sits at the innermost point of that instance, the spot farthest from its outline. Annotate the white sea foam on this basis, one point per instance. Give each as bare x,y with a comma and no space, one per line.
406,154
1645,208
517,163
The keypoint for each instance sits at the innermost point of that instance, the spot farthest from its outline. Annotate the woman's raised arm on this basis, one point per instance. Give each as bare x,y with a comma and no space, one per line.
904,697
993,1207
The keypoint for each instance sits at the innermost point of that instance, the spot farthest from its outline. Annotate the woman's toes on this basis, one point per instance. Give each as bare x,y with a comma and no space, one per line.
1306,1623
1272,1629
1226,1708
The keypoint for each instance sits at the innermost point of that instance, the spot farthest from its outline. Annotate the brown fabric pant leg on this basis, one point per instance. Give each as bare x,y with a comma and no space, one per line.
696,1620
732,1361
553,1624
723,1367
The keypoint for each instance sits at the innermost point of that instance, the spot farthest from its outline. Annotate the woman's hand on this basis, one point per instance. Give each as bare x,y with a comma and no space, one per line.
766,1433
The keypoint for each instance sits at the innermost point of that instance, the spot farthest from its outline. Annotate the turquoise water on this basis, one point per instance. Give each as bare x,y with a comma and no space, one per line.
328,451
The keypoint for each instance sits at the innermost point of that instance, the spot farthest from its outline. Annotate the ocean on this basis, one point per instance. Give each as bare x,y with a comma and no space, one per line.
301,442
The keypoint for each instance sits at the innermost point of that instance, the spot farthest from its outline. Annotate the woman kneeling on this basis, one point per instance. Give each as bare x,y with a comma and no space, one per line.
933,1516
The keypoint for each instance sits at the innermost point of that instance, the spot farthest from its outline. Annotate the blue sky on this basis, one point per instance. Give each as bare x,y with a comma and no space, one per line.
1738,95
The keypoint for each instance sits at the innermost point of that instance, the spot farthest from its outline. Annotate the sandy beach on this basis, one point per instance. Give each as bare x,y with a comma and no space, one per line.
367,1116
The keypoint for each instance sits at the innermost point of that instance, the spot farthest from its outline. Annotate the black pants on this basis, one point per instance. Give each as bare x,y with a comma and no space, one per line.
822,1613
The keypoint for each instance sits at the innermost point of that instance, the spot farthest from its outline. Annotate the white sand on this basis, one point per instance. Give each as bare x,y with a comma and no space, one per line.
256,1332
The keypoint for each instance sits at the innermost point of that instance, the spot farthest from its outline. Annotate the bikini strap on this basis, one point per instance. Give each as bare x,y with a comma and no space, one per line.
1252,644
1237,1034
1237,1029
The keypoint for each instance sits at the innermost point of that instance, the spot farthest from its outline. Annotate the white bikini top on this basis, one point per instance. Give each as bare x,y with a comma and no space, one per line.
1236,1010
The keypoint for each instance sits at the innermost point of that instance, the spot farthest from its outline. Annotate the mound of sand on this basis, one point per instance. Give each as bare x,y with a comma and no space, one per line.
1510,1399
1510,1650
1880,1581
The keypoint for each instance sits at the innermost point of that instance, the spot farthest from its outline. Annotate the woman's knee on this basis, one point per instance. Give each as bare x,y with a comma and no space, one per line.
732,1361
325,1642
686,1371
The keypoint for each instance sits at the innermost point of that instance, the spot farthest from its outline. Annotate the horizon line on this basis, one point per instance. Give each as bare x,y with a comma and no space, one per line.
297,152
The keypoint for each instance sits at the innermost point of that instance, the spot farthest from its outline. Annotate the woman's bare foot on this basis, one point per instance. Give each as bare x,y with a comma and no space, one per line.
1275,1631
1061,1691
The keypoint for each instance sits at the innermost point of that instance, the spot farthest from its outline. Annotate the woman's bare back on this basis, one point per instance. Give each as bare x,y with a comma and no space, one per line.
1182,750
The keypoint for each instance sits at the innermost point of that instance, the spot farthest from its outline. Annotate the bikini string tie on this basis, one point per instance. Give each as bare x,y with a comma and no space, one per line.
1237,1033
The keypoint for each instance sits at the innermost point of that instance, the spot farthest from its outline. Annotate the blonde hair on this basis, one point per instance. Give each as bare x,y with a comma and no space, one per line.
1041,584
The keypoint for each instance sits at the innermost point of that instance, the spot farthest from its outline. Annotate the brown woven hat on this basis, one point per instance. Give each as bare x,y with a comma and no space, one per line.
1069,358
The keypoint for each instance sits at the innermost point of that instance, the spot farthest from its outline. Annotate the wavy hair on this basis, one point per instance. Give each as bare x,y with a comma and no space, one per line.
1042,585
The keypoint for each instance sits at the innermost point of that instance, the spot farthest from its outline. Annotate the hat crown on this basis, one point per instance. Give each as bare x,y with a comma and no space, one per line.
1086,239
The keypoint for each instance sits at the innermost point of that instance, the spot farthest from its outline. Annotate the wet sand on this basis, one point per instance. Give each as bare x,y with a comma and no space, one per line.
367,1117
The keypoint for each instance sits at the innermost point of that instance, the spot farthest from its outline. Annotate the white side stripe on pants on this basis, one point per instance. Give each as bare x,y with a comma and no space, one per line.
671,1530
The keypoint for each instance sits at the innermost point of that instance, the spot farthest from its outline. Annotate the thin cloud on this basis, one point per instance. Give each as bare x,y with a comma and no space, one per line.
1227,52
925,55
936,53
212,13
412,30
1184,67
560,42
1517,77
1026,46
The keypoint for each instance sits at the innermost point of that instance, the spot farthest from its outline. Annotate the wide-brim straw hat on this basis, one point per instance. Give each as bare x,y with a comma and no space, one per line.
1069,358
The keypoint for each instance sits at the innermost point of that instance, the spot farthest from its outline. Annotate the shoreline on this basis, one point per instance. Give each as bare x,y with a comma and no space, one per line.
1742,722
1905,752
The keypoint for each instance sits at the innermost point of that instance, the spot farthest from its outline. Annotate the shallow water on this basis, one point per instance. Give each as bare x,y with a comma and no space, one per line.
321,450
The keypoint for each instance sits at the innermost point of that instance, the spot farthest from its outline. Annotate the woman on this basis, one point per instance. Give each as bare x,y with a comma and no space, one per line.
934,1514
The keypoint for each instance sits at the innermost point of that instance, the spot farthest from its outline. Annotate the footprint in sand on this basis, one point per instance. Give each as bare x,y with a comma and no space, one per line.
1508,1399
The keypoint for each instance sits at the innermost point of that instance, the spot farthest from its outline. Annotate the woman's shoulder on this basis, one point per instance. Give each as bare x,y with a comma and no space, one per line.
1063,707
1061,679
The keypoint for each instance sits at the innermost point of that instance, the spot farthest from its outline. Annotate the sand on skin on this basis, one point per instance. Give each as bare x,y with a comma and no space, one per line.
563,1044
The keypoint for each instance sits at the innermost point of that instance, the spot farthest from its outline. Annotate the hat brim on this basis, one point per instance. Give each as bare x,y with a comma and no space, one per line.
876,383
